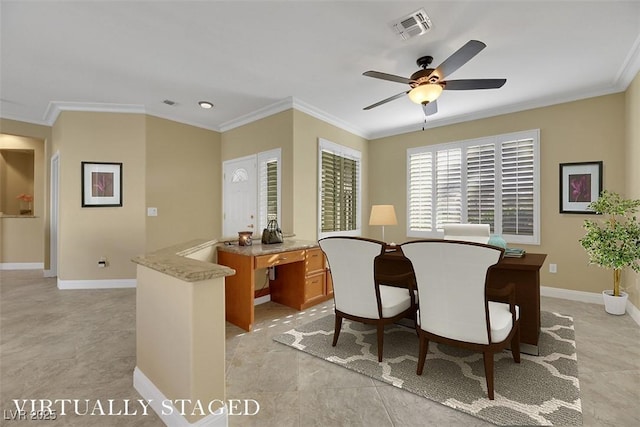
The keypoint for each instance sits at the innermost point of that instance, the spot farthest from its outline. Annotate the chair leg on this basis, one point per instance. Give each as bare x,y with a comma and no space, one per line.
422,354
380,334
515,346
488,372
336,331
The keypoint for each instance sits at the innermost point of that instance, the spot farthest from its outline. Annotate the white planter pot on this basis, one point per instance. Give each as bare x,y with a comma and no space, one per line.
615,305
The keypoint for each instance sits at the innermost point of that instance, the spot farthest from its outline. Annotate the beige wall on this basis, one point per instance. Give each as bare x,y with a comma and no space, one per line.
16,176
22,240
601,128
180,337
184,181
87,234
266,134
41,194
296,133
307,131
631,280
586,130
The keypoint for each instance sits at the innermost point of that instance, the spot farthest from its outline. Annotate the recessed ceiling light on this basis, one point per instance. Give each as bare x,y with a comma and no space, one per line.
205,104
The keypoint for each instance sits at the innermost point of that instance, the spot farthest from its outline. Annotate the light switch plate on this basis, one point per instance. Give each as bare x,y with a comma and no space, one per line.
152,211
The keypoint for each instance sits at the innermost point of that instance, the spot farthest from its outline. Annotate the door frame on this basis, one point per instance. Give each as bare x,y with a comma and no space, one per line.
54,212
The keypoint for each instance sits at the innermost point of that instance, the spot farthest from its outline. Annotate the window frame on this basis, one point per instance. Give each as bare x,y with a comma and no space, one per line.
352,154
498,141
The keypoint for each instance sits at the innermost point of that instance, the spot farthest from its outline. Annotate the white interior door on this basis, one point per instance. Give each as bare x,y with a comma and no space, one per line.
240,196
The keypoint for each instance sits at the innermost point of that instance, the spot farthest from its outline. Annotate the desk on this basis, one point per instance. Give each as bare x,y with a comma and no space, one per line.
301,278
523,272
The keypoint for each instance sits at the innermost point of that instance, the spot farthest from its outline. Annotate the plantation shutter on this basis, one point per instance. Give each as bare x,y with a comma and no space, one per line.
448,187
491,180
420,191
518,187
272,190
481,184
267,189
339,192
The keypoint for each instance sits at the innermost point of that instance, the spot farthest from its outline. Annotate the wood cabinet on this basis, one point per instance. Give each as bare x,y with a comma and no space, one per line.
289,290
300,282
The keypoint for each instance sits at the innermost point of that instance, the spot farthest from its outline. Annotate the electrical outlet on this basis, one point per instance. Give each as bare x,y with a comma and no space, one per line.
152,211
102,262
553,268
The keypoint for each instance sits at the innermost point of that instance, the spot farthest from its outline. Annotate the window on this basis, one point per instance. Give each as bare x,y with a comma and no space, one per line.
268,187
339,198
493,180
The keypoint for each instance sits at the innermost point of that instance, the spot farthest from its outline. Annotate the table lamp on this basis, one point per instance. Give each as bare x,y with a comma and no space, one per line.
383,215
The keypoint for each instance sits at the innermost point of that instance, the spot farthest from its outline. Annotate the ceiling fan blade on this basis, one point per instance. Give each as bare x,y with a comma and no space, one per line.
459,58
389,77
473,84
384,101
431,108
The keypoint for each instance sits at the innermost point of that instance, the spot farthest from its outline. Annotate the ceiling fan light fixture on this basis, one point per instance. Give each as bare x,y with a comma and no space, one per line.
425,93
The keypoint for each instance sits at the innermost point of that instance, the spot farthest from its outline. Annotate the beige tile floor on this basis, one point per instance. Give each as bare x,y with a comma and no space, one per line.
81,344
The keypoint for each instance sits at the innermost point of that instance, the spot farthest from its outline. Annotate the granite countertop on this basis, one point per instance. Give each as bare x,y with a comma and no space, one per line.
174,261
258,248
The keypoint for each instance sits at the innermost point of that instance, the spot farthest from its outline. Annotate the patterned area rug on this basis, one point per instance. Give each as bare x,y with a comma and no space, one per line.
541,390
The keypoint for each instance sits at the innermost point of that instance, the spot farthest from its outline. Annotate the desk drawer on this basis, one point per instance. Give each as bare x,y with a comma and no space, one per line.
314,287
314,261
270,260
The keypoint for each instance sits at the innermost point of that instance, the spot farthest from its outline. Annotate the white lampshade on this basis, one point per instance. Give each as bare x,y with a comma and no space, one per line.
425,93
383,215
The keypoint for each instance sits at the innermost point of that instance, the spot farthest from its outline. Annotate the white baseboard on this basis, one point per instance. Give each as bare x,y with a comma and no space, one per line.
161,405
262,299
588,297
21,265
97,284
581,296
633,312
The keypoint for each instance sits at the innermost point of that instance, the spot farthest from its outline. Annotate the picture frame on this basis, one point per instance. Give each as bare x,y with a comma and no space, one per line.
101,184
580,184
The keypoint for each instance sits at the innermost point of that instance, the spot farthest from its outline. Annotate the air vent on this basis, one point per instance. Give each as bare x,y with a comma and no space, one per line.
413,25
169,102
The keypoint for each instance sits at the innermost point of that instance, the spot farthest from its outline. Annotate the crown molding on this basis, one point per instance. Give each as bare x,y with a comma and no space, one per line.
184,122
291,103
630,67
56,107
328,118
22,119
258,114
508,109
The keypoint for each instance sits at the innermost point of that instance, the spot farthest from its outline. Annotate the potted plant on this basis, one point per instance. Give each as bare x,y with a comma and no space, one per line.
613,242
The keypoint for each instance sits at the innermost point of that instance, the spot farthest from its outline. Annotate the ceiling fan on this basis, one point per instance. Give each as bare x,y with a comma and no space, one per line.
428,83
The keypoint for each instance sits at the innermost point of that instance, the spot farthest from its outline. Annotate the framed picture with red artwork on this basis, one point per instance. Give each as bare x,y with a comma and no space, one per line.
101,184
580,184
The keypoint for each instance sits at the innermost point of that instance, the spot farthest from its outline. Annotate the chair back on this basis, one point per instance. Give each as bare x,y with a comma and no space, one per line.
451,280
479,233
351,261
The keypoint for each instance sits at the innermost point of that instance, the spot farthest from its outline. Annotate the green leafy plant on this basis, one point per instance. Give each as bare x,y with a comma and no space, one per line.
613,242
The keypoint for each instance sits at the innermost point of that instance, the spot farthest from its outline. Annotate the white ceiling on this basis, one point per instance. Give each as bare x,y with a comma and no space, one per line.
253,58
